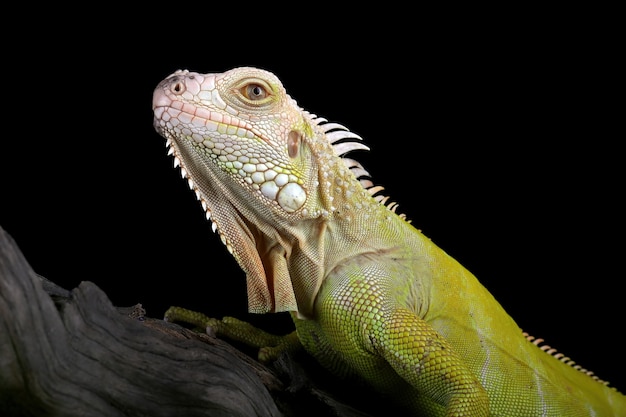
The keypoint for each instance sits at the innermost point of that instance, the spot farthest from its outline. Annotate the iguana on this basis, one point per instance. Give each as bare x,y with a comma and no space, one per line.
369,294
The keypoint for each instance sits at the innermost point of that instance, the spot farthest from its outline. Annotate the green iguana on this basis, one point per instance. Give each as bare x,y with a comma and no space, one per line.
369,294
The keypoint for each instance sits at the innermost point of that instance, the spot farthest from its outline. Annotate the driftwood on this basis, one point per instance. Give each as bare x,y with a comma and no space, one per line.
72,353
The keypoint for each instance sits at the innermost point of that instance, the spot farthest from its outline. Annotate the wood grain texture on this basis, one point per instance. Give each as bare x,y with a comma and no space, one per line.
73,353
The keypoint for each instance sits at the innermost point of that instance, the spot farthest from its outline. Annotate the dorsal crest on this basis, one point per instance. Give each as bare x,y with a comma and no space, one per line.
540,343
344,141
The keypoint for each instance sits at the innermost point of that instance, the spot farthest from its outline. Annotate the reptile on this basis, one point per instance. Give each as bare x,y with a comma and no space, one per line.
371,297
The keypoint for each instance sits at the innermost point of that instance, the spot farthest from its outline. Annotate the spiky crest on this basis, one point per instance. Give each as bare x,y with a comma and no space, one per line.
344,141
560,356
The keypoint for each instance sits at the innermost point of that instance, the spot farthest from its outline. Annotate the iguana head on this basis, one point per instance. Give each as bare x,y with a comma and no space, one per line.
265,171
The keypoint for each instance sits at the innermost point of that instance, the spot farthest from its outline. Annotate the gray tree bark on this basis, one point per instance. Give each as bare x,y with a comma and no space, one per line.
72,353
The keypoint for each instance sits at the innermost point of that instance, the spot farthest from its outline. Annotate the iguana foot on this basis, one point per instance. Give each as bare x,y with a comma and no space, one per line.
270,346
182,315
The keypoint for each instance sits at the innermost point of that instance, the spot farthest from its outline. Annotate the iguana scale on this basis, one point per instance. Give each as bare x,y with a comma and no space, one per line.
369,294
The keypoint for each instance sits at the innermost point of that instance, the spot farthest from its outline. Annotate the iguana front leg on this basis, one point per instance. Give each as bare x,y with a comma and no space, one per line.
366,324
270,345
427,361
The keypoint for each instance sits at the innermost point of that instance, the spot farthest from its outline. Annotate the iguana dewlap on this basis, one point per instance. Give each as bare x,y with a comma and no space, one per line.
370,295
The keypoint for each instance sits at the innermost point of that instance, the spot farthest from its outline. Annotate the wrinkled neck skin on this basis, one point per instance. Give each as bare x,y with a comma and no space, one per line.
297,255
340,220
285,255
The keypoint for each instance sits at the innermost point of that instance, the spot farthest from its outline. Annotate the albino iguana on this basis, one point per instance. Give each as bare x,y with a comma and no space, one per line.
369,294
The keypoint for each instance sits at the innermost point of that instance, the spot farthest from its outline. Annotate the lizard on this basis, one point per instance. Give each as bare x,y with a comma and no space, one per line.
370,295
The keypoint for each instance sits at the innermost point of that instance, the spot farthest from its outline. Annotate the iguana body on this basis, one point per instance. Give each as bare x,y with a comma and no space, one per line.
370,295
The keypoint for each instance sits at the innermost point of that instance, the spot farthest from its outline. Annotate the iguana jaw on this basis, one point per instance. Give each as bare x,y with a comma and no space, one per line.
267,290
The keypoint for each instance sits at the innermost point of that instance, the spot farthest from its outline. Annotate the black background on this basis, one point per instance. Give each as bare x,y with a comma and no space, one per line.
491,134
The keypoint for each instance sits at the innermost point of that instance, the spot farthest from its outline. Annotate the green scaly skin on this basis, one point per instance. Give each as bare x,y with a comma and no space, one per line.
370,295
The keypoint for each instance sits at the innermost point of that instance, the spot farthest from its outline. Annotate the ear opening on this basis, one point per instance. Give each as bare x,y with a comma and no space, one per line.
294,140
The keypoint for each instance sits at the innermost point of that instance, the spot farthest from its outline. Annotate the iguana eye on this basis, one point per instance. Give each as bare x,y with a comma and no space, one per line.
254,92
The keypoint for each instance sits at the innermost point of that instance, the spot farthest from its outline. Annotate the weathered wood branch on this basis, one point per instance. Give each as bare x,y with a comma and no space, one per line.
72,353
